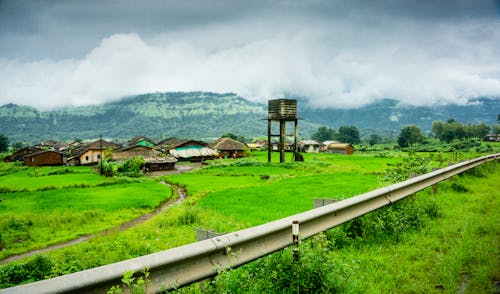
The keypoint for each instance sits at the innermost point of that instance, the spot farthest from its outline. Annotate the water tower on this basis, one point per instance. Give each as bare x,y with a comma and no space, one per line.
282,111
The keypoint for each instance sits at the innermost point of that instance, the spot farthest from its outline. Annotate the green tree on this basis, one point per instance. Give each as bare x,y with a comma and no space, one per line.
438,129
477,131
324,134
4,143
230,135
374,139
410,135
496,129
348,134
17,145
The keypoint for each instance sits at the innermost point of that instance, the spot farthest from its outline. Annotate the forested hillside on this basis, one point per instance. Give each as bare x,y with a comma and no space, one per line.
203,115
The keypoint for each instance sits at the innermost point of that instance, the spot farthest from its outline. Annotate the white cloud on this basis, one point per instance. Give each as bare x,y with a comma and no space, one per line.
416,64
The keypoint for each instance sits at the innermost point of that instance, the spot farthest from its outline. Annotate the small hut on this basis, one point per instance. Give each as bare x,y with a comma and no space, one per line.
158,163
229,148
44,158
341,148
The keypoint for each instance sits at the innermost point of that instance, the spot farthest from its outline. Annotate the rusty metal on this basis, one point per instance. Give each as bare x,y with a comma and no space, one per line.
190,263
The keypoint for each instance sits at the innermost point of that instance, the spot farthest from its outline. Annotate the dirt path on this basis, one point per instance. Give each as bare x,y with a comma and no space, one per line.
181,195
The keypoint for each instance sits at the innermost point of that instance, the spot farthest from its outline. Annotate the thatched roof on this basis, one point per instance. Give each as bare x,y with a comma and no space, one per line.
228,144
42,152
160,159
134,151
96,145
171,141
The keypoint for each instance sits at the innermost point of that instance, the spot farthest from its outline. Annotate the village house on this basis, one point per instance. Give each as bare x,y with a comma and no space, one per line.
163,145
229,148
142,141
324,146
492,138
44,158
91,153
192,150
51,145
258,145
21,153
341,148
309,146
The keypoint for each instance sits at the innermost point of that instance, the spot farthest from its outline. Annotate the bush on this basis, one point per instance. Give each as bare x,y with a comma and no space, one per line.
35,269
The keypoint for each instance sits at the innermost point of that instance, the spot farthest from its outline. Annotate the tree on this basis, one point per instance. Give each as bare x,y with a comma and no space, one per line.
496,129
4,143
410,135
348,134
17,145
477,131
374,139
324,134
230,135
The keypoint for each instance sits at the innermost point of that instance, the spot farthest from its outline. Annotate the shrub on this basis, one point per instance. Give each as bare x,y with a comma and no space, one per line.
35,269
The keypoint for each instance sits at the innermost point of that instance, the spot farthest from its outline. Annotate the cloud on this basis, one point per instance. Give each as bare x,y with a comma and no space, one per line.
332,63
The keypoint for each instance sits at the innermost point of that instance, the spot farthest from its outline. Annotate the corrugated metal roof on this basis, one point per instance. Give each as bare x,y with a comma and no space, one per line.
192,152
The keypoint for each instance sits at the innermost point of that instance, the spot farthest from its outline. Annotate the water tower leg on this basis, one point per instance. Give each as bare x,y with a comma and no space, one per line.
282,140
269,146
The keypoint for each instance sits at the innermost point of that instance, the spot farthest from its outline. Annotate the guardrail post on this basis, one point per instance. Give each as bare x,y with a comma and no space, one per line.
296,240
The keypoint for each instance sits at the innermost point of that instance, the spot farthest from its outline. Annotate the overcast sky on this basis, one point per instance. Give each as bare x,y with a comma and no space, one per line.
57,53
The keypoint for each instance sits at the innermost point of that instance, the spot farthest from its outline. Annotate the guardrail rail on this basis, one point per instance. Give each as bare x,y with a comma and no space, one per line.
183,265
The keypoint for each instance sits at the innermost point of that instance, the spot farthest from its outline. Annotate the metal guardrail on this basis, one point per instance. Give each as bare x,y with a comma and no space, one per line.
190,263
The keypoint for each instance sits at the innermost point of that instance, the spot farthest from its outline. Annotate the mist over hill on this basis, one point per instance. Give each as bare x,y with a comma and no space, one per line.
205,115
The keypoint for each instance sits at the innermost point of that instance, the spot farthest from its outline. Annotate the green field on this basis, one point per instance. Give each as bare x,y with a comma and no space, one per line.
50,207
225,195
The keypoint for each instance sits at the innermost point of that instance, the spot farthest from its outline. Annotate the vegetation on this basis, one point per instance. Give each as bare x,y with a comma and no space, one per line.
49,205
4,143
444,242
324,134
451,130
410,135
348,134
270,191
149,114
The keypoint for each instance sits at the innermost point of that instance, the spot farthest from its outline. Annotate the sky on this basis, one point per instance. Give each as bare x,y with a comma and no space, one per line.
336,54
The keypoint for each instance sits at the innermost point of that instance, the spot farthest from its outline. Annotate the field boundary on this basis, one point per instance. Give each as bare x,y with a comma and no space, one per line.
183,265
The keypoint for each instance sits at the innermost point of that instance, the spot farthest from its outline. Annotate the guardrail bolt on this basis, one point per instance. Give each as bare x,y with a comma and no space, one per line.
296,240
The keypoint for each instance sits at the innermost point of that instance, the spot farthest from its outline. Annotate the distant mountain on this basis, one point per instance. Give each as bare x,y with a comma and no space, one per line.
390,115
204,115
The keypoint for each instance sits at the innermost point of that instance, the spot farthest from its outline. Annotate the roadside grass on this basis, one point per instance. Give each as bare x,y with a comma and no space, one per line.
454,252
223,181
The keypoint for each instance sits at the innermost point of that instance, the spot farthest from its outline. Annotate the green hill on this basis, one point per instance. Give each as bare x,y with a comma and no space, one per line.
204,115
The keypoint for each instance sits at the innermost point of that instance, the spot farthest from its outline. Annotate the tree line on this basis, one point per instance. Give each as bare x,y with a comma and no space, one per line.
409,135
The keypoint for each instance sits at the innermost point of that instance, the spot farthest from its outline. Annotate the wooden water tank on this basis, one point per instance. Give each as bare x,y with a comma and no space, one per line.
282,109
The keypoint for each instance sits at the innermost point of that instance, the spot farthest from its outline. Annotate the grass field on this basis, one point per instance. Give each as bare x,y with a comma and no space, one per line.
455,251
226,195
53,210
